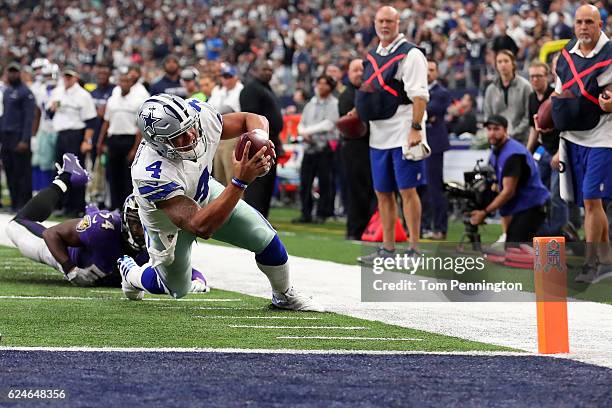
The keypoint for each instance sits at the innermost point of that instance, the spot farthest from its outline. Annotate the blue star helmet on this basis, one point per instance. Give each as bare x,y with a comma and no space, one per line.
131,227
162,118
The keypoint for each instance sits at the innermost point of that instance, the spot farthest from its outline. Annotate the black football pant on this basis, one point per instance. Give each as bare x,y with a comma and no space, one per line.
118,171
319,165
69,141
18,170
361,200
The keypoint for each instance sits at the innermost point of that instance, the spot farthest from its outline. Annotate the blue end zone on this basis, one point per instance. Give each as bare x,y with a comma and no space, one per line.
239,379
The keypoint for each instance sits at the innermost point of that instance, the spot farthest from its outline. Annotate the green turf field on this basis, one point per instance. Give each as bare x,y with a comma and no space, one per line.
58,314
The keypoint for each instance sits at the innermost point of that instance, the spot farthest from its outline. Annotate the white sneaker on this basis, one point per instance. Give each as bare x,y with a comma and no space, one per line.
292,300
125,264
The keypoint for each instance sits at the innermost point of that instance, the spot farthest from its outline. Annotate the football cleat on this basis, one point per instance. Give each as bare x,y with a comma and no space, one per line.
125,264
78,175
292,300
198,282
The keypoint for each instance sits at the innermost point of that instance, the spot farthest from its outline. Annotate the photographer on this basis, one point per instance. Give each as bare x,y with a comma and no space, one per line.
521,192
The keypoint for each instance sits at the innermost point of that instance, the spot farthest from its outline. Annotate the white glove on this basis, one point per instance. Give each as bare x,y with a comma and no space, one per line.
416,153
197,286
84,276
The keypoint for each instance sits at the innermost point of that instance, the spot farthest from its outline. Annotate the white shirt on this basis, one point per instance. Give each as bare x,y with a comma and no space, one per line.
412,71
75,107
600,135
121,111
226,100
156,178
137,88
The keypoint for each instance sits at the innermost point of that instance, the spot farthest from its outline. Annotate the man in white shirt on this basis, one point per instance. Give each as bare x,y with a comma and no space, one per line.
121,138
584,69
226,99
393,98
73,111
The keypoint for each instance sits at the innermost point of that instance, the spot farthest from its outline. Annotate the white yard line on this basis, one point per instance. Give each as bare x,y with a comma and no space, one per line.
253,326
115,298
261,351
259,317
338,288
348,338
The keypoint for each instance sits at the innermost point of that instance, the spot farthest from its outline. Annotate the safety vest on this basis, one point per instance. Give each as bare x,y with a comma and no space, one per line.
380,93
533,193
579,76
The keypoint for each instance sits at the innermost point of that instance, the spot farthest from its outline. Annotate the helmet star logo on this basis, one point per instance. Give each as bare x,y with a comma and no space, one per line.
150,120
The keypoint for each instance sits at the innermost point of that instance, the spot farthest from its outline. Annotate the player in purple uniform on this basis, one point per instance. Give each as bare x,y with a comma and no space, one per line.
84,249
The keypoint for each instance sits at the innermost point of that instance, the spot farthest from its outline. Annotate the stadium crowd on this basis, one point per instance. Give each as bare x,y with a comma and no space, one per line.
89,65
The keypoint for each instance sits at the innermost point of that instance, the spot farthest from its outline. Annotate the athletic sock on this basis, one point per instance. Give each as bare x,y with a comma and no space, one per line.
40,207
278,276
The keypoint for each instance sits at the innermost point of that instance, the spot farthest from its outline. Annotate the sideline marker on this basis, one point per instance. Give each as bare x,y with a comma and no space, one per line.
550,276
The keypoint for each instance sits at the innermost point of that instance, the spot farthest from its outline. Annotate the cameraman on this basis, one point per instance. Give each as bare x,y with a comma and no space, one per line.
521,192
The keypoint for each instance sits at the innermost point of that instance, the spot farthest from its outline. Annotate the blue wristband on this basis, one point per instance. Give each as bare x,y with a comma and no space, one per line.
239,183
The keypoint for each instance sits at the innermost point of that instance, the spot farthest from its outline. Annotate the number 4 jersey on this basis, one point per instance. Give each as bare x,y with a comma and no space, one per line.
157,178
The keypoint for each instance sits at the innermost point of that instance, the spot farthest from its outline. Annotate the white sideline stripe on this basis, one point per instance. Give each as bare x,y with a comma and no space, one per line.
263,351
169,299
208,308
348,338
258,317
248,326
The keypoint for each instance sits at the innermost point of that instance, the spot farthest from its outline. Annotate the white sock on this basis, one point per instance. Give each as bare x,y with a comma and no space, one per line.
278,276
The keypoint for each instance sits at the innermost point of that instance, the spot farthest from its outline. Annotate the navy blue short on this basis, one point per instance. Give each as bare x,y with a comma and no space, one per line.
391,172
591,172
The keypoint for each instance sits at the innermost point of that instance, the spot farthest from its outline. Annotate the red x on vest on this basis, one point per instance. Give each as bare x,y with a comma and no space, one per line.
578,76
378,72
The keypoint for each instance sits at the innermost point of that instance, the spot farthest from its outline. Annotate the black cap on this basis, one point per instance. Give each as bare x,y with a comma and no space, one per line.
14,66
497,120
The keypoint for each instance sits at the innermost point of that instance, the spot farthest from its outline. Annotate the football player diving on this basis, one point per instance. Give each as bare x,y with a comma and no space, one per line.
179,201
84,249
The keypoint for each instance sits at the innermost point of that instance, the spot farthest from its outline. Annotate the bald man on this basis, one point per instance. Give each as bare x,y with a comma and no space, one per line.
585,152
356,161
393,98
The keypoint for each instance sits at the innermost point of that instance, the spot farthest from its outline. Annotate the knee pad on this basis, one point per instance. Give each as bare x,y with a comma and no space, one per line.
274,254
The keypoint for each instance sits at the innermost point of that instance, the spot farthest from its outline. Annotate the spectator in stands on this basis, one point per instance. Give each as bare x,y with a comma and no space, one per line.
73,111
16,126
100,95
508,96
317,127
435,206
189,78
207,84
170,82
356,161
462,118
561,31
226,99
257,97
120,138
134,73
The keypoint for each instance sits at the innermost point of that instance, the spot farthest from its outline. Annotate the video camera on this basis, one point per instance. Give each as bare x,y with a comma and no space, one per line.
474,194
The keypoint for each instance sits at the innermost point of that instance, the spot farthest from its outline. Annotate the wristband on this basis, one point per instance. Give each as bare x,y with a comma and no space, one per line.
239,183
67,266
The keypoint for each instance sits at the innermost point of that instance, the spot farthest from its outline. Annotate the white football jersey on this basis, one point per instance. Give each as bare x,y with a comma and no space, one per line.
156,178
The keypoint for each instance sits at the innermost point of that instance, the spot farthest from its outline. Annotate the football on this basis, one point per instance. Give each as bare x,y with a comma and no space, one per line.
258,140
351,126
545,120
